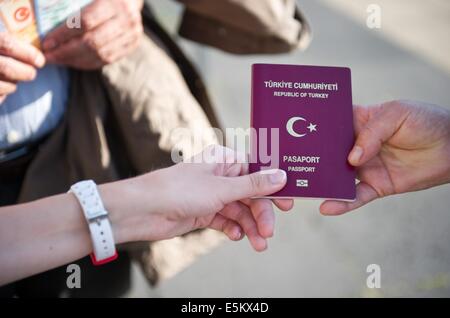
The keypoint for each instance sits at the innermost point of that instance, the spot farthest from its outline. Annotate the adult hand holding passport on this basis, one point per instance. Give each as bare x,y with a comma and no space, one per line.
304,123
401,146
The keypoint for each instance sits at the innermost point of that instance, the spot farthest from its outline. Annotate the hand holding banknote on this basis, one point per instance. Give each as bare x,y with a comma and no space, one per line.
110,30
18,63
401,147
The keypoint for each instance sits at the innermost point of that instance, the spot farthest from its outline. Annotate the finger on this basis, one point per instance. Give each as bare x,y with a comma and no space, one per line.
12,70
126,43
364,194
22,51
92,16
254,185
241,214
106,33
378,130
68,52
230,228
262,210
235,163
7,88
284,205
86,54
89,60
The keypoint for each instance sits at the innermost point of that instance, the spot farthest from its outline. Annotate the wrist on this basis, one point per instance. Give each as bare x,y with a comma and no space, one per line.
115,199
130,204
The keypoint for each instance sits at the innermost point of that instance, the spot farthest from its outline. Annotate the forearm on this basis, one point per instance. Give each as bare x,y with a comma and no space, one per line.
42,235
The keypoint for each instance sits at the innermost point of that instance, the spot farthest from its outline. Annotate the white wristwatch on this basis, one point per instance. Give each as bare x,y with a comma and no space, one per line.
104,248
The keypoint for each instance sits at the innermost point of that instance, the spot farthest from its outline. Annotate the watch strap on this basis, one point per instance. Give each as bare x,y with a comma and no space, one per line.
104,249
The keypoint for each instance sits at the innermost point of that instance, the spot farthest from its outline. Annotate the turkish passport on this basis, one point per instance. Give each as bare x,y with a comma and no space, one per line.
302,123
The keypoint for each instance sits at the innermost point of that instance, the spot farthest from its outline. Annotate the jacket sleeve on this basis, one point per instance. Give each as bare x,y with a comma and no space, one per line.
246,26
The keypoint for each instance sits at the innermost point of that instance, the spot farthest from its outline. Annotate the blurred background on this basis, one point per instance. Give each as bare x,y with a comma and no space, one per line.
314,256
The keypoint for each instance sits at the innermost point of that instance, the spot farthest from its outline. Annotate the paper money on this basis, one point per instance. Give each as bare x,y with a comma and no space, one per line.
17,17
32,20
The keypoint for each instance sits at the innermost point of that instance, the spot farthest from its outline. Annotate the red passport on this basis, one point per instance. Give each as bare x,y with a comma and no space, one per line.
302,120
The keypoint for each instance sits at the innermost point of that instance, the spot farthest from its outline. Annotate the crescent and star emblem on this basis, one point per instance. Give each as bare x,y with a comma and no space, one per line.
290,127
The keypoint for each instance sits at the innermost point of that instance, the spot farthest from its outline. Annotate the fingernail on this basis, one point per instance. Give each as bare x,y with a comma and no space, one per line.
277,177
39,61
237,234
356,155
49,45
265,248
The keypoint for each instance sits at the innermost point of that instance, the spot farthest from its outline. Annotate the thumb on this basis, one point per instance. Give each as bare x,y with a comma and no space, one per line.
258,184
377,131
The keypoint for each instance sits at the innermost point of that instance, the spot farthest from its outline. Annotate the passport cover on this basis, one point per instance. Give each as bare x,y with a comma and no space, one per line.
310,108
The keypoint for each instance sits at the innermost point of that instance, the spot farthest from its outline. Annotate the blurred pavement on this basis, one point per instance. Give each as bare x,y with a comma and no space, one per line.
408,235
